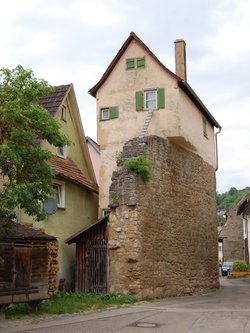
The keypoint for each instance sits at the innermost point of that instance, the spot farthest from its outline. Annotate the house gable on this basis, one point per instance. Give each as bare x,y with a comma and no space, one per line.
137,96
62,105
145,50
76,191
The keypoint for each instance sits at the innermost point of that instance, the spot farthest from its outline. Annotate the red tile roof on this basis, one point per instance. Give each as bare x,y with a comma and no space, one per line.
67,169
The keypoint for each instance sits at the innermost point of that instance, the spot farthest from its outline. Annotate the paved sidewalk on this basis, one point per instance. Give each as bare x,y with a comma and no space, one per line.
227,310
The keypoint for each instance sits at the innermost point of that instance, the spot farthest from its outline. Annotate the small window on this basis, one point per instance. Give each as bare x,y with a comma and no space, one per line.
130,63
105,212
140,62
104,114
63,113
205,128
109,113
62,151
59,196
150,100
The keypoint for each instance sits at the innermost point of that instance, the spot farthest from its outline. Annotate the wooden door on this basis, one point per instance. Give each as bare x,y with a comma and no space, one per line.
97,265
22,267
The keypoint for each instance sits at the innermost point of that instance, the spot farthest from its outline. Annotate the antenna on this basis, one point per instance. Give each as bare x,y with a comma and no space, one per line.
50,206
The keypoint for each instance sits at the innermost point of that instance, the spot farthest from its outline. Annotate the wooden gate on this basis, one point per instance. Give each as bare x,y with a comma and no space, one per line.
97,265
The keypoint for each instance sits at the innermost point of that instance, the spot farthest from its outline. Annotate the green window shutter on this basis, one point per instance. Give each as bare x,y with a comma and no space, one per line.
130,63
113,112
161,98
139,100
140,62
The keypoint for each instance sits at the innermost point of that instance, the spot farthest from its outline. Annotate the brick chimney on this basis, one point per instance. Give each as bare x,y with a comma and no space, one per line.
180,59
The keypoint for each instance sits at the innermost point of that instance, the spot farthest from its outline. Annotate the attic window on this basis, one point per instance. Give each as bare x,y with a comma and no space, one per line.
140,62
63,113
105,212
59,188
132,63
62,151
205,127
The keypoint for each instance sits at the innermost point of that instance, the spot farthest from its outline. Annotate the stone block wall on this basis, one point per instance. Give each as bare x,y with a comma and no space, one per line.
162,233
232,234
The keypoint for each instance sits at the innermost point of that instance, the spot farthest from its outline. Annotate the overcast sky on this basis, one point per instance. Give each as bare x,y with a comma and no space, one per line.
73,41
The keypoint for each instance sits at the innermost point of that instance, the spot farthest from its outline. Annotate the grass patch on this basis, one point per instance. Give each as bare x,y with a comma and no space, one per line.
140,165
72,303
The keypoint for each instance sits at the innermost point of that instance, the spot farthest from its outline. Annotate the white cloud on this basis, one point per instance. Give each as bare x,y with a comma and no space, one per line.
230,42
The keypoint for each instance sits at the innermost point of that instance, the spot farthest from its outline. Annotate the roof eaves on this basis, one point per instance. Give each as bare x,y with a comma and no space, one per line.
73,237
242,204
93,144
89,187
68,170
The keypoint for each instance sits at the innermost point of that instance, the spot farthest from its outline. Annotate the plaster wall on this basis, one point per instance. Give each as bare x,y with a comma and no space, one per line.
179,120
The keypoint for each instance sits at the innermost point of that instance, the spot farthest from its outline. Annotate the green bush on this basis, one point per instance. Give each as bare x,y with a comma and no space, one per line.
140,165
239,266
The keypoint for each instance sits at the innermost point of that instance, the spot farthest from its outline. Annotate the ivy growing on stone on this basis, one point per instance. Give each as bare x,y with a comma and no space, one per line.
140,165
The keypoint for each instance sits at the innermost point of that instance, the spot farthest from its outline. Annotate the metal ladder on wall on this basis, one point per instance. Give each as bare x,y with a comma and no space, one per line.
146,123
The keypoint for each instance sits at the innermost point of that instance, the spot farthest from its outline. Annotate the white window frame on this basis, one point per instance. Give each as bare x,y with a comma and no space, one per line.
62,151
103,111
105,212
147,100
59,187
64,113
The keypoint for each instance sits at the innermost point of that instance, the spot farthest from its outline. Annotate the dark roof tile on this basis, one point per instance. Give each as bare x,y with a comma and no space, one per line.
18,230
53,100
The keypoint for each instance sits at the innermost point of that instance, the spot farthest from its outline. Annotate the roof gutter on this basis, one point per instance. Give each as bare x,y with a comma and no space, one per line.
216,147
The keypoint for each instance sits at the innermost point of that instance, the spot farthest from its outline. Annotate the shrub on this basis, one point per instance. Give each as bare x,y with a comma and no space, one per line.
140,165
240,266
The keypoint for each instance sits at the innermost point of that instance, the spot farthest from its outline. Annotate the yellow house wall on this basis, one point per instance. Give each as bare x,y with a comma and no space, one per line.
79,212
180,119
74,150
80,204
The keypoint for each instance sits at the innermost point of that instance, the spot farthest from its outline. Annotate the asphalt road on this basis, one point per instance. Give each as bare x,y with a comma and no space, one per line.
225,311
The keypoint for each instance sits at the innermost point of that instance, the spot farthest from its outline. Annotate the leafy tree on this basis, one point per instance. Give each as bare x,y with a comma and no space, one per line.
230,199
221,220
25,176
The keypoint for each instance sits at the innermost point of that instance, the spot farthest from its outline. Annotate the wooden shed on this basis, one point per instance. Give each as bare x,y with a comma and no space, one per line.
27,260
91,257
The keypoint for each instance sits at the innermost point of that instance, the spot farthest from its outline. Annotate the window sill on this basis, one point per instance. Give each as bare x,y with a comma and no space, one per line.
61,208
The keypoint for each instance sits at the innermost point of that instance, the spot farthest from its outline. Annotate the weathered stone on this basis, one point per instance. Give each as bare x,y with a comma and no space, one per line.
232,234
168,238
